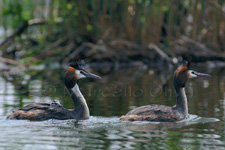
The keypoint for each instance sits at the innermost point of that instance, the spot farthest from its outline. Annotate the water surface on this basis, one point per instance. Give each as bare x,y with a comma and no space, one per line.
108,99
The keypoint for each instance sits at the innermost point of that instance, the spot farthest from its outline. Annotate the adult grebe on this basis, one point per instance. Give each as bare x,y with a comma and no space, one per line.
44,111
161,113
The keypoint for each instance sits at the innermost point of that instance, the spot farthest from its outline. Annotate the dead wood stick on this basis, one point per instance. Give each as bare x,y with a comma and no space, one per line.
75,53
37,21
160,52
197,57
125,43
9,61
201,46
56,43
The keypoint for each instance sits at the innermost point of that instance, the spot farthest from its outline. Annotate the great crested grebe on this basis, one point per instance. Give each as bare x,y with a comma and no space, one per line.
161,113
44,111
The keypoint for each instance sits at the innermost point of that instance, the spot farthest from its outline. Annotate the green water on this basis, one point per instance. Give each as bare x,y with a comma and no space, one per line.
108,99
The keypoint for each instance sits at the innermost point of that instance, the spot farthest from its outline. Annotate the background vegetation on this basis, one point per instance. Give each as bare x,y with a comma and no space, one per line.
34,32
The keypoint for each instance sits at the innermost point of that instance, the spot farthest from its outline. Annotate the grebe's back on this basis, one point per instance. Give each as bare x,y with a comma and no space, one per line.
155,113
41,111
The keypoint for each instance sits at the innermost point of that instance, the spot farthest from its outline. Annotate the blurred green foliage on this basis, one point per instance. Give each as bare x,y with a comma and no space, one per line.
138,21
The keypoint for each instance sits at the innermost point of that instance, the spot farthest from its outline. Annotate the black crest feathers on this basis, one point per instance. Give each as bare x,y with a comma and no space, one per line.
187,63
77,65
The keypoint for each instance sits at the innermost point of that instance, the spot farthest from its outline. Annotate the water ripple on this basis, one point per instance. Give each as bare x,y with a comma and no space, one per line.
101,133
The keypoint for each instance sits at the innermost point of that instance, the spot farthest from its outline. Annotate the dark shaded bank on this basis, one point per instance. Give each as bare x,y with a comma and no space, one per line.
112,52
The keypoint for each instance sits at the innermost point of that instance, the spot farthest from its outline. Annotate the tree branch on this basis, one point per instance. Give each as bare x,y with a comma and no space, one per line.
22,29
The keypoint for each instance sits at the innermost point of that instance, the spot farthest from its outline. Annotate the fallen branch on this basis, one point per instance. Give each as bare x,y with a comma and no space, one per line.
22,29
127,44
33,22
195,56
75,53
56,43
125,52
201,46
160,52
9,61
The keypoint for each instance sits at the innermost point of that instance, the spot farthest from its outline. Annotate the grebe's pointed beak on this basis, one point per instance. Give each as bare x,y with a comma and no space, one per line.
91,75
88,74
202,74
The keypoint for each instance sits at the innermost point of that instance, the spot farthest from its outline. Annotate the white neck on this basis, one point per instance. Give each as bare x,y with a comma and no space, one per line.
81,110
181,104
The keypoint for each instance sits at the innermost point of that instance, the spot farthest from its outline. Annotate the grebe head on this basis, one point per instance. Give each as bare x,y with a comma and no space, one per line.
75,72
183,73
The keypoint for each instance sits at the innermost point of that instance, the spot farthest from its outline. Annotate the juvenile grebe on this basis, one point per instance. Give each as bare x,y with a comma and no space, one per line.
44,111
161,113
